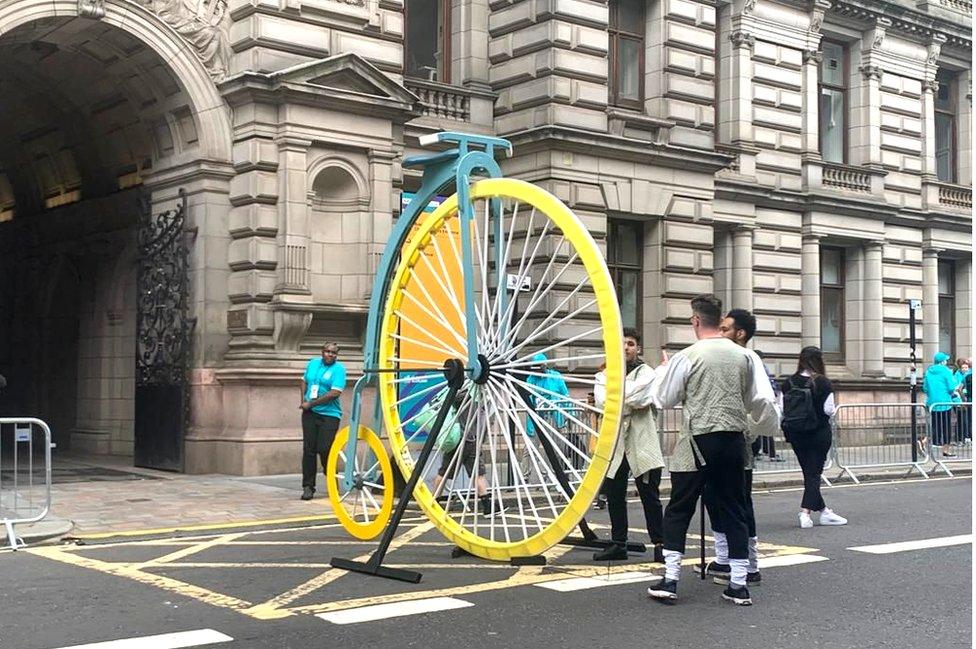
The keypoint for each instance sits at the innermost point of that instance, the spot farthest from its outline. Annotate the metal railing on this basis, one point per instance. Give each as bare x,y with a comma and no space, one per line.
950,426
25,473
878,435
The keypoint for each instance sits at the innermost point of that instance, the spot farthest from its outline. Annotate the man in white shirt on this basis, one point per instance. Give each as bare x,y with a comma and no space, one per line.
714,381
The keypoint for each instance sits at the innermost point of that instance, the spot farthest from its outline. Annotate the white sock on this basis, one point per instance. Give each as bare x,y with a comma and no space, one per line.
740,568
721,548
672,565
753,554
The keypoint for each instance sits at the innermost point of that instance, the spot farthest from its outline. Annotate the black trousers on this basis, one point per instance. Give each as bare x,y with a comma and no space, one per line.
750,511
765,444
941,427
723,472
649,492
811,453
963,423
318,433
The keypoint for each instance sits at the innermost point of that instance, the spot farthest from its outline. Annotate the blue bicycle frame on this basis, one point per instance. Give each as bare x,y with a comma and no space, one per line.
472,153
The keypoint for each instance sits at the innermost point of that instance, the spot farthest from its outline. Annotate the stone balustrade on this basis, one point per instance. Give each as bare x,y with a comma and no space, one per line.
955,196
846,177
441,100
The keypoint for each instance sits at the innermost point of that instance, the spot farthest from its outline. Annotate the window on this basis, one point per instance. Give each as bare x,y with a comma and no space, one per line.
832,302
427,50
627,53
833,103
945,127
947,307
625,242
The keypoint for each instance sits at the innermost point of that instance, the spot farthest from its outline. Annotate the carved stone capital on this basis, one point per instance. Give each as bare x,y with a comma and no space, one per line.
930,85
740,38
816,56
92,9
871,71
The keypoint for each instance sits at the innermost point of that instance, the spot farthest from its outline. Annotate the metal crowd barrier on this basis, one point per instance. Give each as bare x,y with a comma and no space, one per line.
877,435
950,425
25,473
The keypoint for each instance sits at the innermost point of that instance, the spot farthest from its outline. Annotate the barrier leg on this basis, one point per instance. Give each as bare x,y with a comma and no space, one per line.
15,541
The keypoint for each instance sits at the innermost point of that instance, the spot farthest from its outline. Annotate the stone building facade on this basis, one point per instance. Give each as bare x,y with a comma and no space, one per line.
810,161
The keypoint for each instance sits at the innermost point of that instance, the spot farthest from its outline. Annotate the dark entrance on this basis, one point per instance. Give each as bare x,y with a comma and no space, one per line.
162,339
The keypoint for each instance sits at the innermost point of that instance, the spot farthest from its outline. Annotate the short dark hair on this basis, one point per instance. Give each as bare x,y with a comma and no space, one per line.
744,321
708,308
631,332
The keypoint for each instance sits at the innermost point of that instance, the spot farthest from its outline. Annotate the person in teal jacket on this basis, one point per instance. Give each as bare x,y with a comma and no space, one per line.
548,385
963,433
939,386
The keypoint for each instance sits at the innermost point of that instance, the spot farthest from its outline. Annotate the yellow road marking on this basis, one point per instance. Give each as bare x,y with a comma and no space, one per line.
185,552
125,570
274,608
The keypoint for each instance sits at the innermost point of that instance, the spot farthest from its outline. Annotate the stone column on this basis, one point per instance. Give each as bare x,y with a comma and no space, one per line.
810,290
810,125
929,88
873,318
964,127
742,285
869,119
964,307
740,101
930,303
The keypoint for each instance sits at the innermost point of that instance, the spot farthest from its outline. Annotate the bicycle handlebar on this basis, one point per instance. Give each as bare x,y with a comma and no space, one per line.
464,139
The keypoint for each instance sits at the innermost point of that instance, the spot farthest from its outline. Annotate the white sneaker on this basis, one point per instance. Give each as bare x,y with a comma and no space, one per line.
805,521
827,517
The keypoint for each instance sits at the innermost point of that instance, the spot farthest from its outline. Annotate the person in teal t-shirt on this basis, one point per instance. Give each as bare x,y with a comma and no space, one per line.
322,386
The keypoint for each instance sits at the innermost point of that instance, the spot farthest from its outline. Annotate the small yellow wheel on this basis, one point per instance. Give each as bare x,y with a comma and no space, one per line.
365,508
533,449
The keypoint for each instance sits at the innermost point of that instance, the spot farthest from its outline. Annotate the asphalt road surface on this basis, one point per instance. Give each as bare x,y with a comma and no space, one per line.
274,588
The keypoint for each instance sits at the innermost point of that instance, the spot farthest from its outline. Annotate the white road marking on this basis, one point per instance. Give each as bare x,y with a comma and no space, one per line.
582,583
905,546
196,638
790,560
393,609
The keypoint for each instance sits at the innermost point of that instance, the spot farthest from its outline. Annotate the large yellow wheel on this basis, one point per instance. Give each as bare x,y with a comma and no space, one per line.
364,509
538,454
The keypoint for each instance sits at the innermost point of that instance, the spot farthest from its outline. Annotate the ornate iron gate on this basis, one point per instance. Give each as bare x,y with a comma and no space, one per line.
162,339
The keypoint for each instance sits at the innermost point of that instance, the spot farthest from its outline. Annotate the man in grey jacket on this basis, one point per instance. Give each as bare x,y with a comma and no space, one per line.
714,381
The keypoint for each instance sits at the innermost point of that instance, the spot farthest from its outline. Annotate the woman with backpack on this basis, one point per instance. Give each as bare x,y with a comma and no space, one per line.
808,405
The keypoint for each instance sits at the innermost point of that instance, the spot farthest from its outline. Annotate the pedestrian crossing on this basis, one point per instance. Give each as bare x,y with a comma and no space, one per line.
180,640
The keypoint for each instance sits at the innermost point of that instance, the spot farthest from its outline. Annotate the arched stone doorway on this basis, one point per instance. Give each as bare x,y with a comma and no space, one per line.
95,113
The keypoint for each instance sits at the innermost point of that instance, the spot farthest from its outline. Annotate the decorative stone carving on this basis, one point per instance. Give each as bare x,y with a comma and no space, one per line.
935,49
813,55
871,71
203,23
93,9
930,85
740,38
749,7
880,30
818,10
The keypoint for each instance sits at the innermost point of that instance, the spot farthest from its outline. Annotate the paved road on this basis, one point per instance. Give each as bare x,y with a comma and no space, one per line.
273,588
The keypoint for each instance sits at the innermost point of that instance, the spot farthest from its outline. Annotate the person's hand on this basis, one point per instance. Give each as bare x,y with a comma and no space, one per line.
664,357
305,405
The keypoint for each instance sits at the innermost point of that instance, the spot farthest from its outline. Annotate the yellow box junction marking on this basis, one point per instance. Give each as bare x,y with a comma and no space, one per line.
280,606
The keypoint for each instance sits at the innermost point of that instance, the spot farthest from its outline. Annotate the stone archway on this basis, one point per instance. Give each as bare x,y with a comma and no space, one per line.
98,109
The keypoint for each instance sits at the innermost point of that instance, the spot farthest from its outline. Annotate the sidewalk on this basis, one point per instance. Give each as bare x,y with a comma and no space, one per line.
98,498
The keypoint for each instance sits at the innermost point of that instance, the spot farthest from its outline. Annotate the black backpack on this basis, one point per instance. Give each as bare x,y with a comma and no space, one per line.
800,416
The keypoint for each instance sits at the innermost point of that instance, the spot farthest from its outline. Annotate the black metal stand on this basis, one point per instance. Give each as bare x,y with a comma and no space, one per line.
589,539
454,373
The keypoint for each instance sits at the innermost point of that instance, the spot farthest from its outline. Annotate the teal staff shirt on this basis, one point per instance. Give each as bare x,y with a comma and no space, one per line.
319,379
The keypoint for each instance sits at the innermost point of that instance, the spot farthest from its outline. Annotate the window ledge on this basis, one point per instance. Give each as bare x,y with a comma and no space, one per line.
631,123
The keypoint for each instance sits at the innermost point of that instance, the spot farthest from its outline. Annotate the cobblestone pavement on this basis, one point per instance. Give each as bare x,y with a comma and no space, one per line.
116,498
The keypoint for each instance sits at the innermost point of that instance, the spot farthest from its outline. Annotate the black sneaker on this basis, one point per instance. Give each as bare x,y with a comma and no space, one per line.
613,552
665,591
738,596
752,579
307,493
600,502
719,571
658,553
